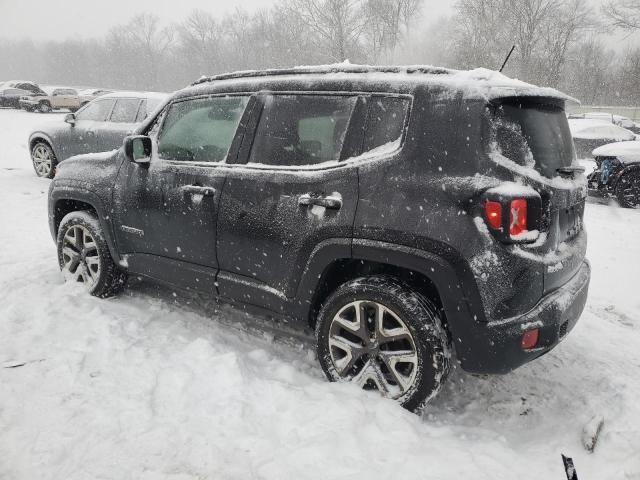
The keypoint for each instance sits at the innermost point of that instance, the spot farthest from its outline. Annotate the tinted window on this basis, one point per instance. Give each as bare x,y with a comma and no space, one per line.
385,121
200,130
301,129
125,110
96,110
534,135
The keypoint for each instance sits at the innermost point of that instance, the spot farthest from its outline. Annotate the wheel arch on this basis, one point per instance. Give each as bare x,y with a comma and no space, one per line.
449,284
41,137
66,201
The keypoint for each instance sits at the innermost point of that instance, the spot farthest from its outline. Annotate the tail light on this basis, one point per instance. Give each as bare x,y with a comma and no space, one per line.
530,339
493,212
518,217
513,220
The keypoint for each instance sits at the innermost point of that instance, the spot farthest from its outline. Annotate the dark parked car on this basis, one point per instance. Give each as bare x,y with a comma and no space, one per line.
99,126
10,97
401,212
617,174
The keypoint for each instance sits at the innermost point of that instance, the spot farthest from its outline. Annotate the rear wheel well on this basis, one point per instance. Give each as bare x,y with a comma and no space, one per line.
344,270
64,207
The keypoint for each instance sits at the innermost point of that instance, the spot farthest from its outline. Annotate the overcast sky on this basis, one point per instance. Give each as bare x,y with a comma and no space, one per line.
61,19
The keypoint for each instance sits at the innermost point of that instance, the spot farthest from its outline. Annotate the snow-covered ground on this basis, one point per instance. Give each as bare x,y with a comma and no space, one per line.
153,385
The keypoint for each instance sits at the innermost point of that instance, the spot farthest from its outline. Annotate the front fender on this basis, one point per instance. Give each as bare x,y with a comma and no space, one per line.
74,191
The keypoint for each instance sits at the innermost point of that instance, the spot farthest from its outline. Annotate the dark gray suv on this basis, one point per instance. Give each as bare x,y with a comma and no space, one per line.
99,126
408,215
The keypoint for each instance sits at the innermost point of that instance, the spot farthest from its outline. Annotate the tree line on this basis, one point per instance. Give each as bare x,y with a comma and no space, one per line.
559,43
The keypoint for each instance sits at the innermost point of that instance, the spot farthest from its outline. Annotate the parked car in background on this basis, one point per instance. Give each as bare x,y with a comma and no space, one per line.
349,204
619,120
617,174
589,134
10,97
31,87
53,98
89,94
99,126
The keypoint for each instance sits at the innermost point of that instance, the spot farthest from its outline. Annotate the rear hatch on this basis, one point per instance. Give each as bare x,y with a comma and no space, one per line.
532,143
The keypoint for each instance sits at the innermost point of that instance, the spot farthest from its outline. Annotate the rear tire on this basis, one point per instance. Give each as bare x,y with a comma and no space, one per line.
396,344
628,190
84,257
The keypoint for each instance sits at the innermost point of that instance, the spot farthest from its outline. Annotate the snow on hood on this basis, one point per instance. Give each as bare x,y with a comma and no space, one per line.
588,129
626,152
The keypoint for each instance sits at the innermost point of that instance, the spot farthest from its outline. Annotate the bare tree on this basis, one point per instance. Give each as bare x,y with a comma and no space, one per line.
387,21
624,14
336,25
145,35
561,32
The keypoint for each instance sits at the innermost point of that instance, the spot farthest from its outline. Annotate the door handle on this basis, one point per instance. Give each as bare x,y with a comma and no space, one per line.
199,190
333,202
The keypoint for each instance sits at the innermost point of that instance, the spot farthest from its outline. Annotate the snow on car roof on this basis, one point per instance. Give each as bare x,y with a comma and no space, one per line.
591,129
478,83
626,152
156,95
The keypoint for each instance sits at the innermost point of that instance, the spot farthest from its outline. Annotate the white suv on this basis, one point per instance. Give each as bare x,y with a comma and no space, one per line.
55,98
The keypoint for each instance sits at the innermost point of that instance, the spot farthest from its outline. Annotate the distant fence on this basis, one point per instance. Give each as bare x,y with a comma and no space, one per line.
631,112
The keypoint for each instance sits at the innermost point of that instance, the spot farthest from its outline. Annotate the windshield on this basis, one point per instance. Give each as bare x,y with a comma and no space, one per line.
533,135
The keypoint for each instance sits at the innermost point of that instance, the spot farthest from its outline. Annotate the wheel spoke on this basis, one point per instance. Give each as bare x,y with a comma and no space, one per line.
392,359
353,352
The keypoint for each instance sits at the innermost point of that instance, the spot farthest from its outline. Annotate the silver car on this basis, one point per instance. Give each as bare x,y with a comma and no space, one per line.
99,126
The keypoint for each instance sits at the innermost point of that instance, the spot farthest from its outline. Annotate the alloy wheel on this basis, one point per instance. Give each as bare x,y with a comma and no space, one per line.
81,261
42,160
370,345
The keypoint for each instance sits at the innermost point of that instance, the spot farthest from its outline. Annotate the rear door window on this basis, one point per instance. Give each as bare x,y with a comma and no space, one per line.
125,110
96,110
534,135
297,130
201,130
385,121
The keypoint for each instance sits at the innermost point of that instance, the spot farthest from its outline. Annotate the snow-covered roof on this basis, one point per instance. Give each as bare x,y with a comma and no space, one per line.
590,129
156,95
478,83
626,152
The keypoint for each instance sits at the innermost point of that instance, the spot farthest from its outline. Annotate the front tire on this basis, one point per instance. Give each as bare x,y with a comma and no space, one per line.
628,190
44,107
43,159
381,334
83,255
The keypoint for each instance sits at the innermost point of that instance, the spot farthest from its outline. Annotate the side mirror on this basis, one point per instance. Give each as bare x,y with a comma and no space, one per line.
70,118
137,149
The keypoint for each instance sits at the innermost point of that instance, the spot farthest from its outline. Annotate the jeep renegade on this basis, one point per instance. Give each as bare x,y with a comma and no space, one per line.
409,215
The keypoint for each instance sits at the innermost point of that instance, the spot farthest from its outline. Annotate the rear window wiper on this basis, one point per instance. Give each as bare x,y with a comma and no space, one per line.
570,170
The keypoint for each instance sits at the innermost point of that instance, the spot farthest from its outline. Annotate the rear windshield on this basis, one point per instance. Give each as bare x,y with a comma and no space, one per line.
534,135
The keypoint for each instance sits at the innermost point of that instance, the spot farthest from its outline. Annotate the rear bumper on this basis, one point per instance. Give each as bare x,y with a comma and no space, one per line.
497,347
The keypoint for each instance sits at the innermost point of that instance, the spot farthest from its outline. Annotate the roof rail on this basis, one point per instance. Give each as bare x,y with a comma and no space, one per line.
326,69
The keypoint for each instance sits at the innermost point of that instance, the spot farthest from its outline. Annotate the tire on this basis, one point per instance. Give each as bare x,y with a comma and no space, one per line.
374,363
83,255
628,190
43,159
44,107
